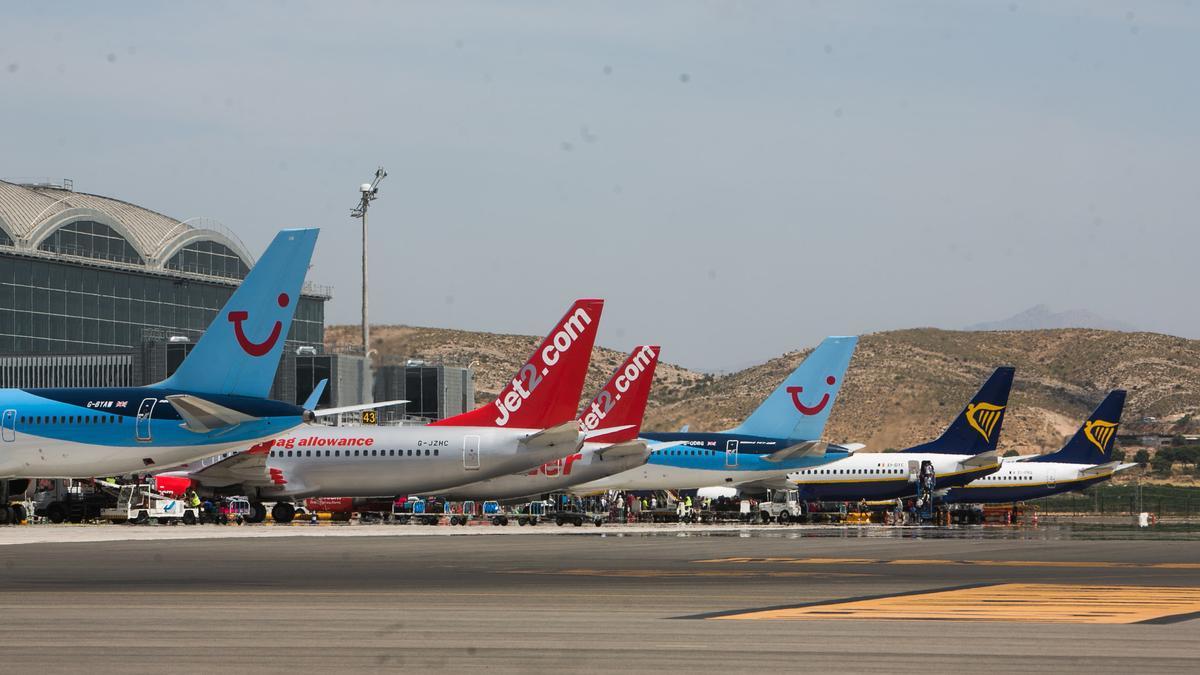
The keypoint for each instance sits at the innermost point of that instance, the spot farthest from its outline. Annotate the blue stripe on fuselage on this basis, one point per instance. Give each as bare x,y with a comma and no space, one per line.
708,451
108,416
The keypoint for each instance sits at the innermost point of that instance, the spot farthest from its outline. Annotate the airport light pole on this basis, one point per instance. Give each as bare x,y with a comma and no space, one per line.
368,193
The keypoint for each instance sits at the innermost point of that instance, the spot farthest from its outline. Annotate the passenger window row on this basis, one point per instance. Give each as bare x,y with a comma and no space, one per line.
856,472
365,453
72,419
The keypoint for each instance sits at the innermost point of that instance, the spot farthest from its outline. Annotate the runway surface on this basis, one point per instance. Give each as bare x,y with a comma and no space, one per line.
730,601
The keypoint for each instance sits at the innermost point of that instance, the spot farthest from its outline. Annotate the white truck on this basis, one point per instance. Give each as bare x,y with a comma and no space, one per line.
138,504
782,507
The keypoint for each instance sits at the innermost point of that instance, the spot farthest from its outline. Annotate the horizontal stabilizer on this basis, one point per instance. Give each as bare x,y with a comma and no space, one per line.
626,449
989,458
848,448
1106,468
203,416
566,434
804,449
354,408
607,430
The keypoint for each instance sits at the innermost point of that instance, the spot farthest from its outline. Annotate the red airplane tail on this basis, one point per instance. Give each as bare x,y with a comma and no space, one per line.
622,402
545,391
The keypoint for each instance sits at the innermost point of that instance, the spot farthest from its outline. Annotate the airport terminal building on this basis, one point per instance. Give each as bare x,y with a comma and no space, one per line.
95,291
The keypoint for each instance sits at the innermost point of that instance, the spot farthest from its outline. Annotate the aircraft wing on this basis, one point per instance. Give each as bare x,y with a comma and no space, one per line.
802,449
202,416
566,434
353,408
626,449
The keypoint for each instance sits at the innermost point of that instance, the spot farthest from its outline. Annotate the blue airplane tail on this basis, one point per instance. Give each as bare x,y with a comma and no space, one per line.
977,427
1093,442
799,407
239,352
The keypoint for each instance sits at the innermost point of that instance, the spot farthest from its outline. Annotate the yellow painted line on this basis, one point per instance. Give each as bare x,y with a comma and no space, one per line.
1024,603
978,563
666,574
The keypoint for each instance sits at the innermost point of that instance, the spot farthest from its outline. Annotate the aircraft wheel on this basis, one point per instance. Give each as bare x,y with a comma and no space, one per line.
189,518
19,514
785,518
56,512
283,512
258,513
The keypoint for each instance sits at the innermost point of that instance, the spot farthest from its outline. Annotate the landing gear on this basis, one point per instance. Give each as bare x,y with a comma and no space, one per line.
258,513
283,512
56,513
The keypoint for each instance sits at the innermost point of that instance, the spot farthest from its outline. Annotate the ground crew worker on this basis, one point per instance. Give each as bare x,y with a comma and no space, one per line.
193,499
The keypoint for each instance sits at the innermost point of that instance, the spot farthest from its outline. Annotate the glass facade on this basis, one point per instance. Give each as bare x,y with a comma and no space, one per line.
89,239
210,258
57,307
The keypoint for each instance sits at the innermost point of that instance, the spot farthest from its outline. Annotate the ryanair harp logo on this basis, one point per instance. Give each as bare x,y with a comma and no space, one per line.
1099,432
984,417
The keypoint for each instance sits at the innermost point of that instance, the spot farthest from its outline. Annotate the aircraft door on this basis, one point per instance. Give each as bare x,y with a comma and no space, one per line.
144,416
914,471
470,452
731,453
8,431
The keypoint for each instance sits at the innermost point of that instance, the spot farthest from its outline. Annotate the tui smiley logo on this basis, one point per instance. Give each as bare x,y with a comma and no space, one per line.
257,348
814,409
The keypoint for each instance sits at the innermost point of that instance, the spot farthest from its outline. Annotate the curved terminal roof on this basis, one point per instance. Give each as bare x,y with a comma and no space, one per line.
29,213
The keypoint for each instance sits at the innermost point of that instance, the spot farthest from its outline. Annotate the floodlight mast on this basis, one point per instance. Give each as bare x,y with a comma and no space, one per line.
368,193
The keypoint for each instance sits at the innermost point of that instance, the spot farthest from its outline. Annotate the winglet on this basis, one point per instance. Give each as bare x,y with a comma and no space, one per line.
314,398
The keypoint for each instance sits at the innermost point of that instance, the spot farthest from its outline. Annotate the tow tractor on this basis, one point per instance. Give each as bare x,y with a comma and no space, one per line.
783,507
137,504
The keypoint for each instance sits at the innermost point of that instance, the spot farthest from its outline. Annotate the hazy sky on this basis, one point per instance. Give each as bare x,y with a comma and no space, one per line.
738,179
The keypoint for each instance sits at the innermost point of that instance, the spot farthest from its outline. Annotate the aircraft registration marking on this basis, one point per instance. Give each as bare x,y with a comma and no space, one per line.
1020,603
978,563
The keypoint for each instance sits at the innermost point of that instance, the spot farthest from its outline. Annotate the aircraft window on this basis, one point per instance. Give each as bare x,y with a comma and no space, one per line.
121,419
435,452
337,453
289,453
410,452
356,453
426,452
308,453
22,419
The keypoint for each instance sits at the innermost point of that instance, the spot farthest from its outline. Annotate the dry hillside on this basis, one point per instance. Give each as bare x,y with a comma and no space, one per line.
902,386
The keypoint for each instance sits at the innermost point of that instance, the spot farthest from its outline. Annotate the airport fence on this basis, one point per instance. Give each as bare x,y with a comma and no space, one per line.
1163,500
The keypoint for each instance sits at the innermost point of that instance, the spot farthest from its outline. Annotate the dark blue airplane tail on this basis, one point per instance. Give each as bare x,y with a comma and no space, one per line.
239,352
977,427
1094,441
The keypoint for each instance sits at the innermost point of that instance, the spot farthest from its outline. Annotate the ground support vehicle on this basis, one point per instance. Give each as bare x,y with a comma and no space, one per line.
71,501
138,504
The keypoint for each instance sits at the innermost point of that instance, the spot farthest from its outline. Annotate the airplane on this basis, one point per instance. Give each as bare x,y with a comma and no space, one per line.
1085,460
965,451
531,422
215,401
619,406
781,436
